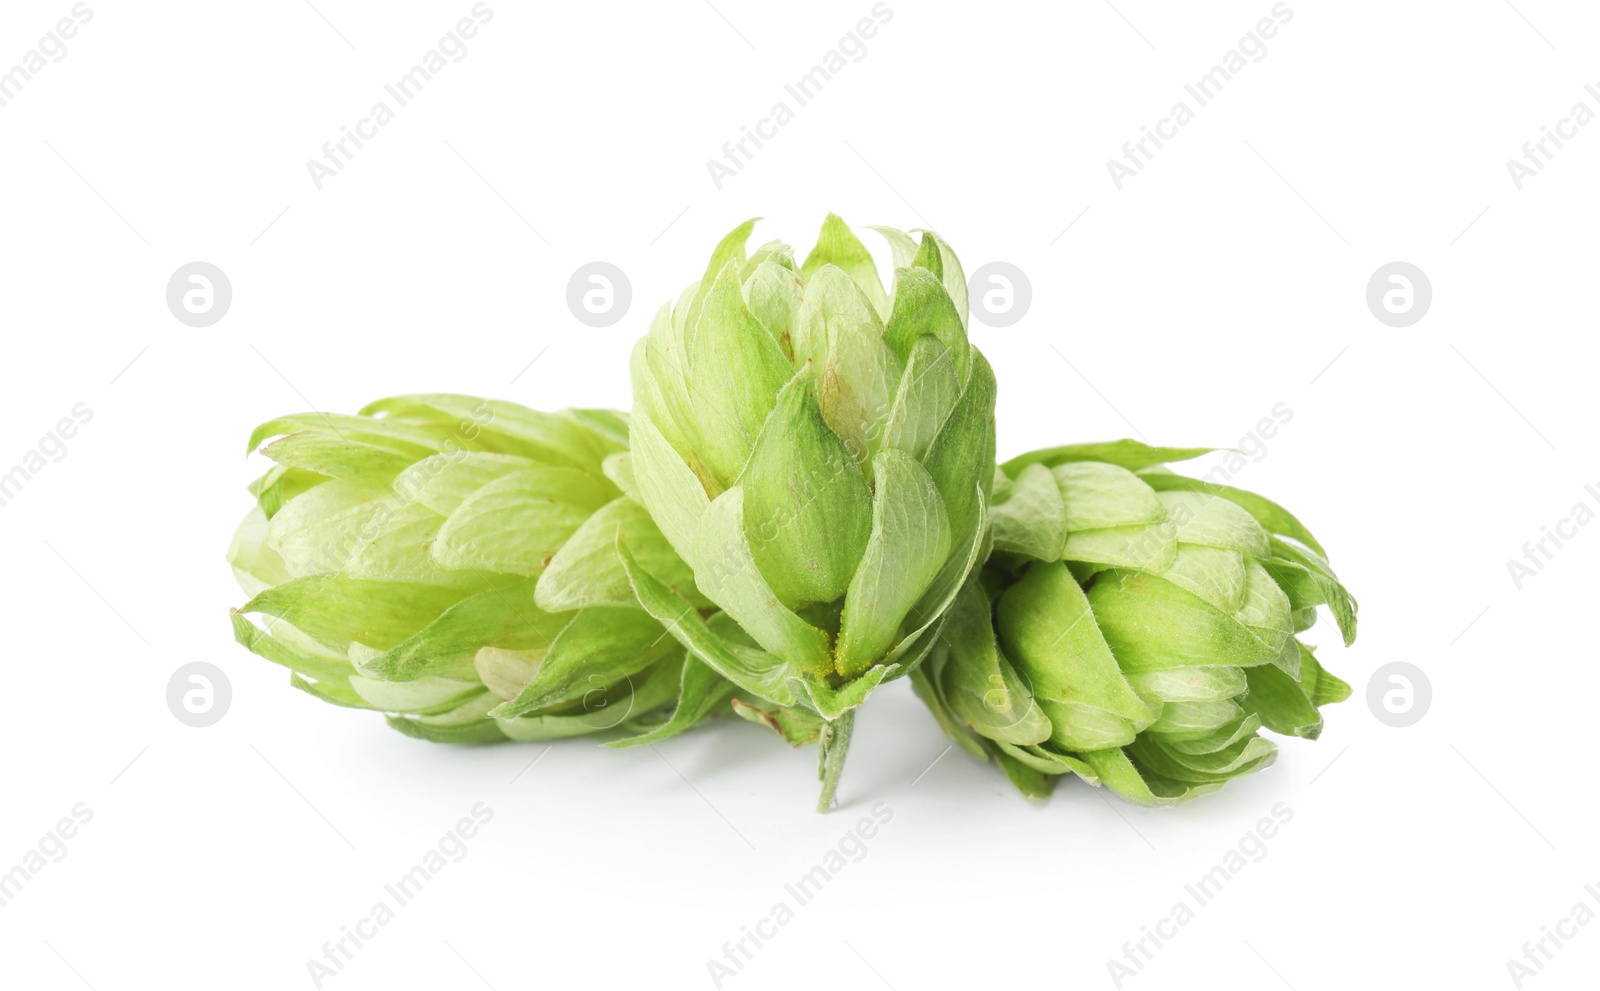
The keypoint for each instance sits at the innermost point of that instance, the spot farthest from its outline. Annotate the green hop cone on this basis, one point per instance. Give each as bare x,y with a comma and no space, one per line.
820,452
1135,627
452,562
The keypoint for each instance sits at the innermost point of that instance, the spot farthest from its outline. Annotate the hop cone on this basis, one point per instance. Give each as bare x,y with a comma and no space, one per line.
820,452
1136,627
452,561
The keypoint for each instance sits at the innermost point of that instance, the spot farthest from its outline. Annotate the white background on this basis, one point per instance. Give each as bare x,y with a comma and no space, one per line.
1228,277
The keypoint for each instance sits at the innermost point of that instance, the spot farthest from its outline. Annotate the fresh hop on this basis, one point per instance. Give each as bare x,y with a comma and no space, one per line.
803,505
1135,627
452,562
820,451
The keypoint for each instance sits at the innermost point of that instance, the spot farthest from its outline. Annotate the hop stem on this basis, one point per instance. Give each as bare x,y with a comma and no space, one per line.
834,743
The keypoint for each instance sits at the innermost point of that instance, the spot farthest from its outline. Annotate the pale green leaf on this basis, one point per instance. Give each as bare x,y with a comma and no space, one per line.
960,460
1150,624
856,373
755,671
922,308
443,481
256,565
586,571
911,539
807,510
1050,635
735,370
515,524
599,647
1099,495
979,683
1032,519
667,487
727,573
337,611
327,453
701,693
928,392
501,427
1130,454
499,617
404,438
838,246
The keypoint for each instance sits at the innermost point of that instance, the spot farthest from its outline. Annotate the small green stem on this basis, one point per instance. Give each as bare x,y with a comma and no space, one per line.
835,743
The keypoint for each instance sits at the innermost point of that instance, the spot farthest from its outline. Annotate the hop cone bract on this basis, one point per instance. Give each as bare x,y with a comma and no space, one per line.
1136,627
